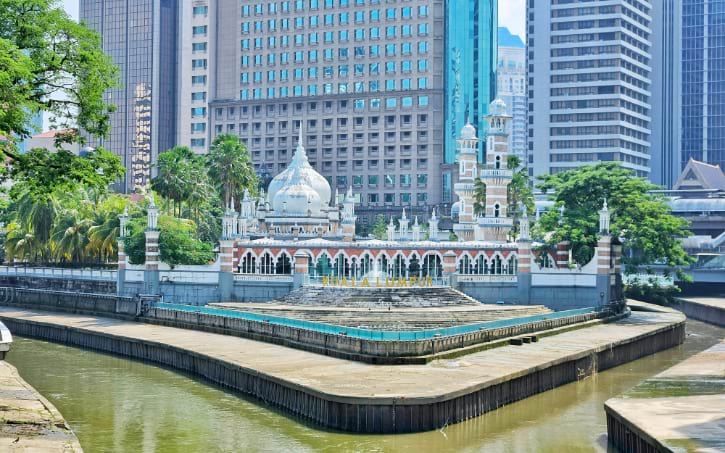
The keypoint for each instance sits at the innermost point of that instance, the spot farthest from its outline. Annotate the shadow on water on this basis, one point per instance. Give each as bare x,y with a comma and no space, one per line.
117,404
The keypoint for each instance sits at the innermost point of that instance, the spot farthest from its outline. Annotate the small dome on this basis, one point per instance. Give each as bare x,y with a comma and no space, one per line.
297,200
497,108
456,209
468,132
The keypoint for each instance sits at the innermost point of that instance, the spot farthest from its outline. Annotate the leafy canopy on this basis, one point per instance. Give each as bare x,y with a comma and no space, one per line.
641,219
177,242
49,63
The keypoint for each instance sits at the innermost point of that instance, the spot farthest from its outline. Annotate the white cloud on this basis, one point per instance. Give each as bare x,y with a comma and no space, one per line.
512,14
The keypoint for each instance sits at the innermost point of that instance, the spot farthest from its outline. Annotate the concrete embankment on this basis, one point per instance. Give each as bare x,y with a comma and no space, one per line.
359,397
29,422
706,309
680,409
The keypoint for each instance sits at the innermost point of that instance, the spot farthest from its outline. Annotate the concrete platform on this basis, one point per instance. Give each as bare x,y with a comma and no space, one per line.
359,397
706,309
29,422
680,409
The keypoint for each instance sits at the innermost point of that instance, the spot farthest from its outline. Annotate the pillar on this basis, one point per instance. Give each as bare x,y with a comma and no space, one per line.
449,268
604,270
121,273
523,276
302,264
151,269
562,254
226,270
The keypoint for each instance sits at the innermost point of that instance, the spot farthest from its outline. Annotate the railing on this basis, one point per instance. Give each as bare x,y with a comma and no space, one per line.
489,278
286,278
495,221
189,276
495,173
368,334
378,282
58,272
648,278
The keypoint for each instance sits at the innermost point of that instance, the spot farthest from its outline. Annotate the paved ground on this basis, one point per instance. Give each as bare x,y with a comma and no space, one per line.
682,407
340,379
29,423
382,317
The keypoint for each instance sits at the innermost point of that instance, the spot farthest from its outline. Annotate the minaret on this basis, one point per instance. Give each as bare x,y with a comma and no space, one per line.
348,216
403,233
433,226
151,269
416,230
391,230
496,225
464,188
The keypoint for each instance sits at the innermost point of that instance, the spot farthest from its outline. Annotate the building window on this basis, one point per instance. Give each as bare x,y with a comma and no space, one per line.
199,30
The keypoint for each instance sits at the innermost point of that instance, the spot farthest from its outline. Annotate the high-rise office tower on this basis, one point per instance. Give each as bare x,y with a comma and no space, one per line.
666,92
141,38
703,81
511,76
588,77
380,88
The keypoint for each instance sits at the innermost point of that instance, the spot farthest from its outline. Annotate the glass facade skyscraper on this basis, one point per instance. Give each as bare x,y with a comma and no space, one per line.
141,39
471,36
703,81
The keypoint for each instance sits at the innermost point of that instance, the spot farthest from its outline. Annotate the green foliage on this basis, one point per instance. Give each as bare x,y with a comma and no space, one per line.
479,197
178,243
182,177
519,195
379,229
76,227
651,291
642,220
40,172
230,167
50,63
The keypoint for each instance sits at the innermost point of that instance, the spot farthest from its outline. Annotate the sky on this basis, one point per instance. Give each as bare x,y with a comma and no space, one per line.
511,14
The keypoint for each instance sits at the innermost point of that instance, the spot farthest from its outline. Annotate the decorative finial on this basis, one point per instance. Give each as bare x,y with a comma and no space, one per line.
433,215
404,217
415,223
299,139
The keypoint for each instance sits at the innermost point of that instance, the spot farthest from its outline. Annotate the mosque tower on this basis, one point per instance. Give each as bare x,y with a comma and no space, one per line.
464,188
496,225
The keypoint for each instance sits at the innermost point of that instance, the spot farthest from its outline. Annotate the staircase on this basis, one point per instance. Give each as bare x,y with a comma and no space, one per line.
341,297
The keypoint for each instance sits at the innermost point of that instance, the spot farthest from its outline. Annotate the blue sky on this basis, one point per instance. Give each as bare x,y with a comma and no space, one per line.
511,14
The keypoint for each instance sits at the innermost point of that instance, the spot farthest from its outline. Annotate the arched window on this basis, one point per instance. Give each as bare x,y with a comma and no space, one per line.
498,162
249,264
324,265
482,265
496,265
513,265
432,266
414,266
496,210
266,265
284,265
465,265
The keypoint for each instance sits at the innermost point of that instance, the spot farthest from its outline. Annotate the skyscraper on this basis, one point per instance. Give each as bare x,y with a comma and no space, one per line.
588,77
666,92
511,76
703,82
377,87
141,38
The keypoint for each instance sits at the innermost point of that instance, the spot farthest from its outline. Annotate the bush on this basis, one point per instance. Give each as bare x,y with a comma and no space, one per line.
178,242
651,291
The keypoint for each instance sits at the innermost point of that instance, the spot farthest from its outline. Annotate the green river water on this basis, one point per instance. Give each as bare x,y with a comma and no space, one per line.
119,405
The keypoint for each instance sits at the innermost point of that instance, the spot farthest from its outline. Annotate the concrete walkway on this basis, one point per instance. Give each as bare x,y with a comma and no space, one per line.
680,409
348,381
29,422
706,309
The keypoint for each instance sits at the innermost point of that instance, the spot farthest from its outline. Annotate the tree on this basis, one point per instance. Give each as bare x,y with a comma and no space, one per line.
231,167
379,229
519,193
641,219
479,197
177,242
50,63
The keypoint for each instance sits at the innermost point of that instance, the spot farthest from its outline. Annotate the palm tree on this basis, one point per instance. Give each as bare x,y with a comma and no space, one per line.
231,167
36,216
19,244
70,236
479,197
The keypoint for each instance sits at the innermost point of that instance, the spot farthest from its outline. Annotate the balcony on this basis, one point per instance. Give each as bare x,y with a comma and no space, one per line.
496,173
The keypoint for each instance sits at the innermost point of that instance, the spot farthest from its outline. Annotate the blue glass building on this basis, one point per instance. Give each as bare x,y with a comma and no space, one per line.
703,81
470,66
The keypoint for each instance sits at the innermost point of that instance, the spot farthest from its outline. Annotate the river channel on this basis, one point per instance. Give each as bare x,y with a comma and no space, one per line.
115,404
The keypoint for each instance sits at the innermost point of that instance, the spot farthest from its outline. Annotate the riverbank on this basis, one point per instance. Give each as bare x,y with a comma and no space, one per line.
682,407
358,397
707,309
30,422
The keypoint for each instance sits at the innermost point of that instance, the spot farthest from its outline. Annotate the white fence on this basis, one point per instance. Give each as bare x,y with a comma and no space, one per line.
58,272
487,278
263,278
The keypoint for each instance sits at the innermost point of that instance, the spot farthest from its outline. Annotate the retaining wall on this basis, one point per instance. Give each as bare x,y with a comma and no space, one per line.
703,312
60,283
364,415
69,301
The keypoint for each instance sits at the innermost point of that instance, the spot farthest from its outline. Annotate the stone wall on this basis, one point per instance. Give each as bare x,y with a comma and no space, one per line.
60,283
69,301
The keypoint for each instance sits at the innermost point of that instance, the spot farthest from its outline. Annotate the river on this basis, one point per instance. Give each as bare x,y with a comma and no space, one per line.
115,404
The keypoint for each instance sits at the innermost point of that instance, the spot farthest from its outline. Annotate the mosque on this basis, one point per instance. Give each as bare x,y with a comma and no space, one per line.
297,233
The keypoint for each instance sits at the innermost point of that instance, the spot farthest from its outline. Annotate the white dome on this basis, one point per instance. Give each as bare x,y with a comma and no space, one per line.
456,209
497,108
297,200
300,171
468,132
